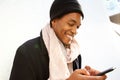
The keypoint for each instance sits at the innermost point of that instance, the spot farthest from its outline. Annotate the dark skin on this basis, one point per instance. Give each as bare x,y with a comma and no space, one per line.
65,29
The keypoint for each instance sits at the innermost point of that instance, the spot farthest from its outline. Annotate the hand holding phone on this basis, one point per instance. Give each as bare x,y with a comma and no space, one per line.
106,71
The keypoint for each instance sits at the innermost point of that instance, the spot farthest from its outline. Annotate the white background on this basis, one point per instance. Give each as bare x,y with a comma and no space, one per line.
21,20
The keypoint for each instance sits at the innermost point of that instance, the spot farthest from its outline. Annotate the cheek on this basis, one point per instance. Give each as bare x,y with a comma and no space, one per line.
60,33
60,29
63,36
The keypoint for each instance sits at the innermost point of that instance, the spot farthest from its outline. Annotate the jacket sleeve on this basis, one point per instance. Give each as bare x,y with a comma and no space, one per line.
21,70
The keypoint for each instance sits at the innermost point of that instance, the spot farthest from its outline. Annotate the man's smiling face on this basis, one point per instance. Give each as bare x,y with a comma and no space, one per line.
66,27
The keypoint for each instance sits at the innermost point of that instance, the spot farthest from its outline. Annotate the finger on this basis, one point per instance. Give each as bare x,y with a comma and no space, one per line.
82,71
101,77
91,70
95,77
87,68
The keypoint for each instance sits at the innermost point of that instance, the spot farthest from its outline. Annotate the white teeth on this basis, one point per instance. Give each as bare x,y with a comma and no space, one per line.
70,42
70,38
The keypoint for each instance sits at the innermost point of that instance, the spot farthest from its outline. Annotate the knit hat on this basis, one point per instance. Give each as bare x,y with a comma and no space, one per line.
61,7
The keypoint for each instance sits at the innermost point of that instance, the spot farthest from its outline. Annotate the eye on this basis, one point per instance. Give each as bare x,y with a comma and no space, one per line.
71,24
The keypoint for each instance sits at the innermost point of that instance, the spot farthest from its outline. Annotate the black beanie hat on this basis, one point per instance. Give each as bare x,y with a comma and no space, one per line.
61,7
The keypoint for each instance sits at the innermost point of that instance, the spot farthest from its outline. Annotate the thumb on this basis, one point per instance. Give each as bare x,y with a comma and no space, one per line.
82,72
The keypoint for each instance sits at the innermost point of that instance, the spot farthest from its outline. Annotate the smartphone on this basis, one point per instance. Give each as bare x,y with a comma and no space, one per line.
106,71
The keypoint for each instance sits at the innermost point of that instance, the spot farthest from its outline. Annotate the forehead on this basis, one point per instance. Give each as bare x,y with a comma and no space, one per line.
72,17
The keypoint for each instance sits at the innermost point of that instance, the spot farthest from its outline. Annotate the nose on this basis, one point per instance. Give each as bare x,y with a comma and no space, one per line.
74,30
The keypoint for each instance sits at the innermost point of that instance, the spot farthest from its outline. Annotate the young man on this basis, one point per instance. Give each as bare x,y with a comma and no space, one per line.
54,55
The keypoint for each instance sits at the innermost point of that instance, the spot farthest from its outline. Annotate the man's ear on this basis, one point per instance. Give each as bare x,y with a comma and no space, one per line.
53,22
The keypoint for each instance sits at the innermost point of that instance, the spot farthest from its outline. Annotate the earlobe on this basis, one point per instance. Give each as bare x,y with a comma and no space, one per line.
53,23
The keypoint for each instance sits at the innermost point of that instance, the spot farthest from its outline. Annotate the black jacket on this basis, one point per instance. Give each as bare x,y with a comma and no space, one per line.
32,62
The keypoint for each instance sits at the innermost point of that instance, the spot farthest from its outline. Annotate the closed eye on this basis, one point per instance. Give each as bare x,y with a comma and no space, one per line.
71,24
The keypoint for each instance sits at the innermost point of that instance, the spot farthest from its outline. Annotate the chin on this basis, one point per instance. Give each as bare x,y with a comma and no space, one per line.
67,45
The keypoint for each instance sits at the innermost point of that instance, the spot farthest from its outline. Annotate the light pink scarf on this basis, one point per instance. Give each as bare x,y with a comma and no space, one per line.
59,56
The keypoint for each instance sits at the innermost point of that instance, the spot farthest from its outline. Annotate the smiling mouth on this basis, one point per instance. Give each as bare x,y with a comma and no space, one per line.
71,38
